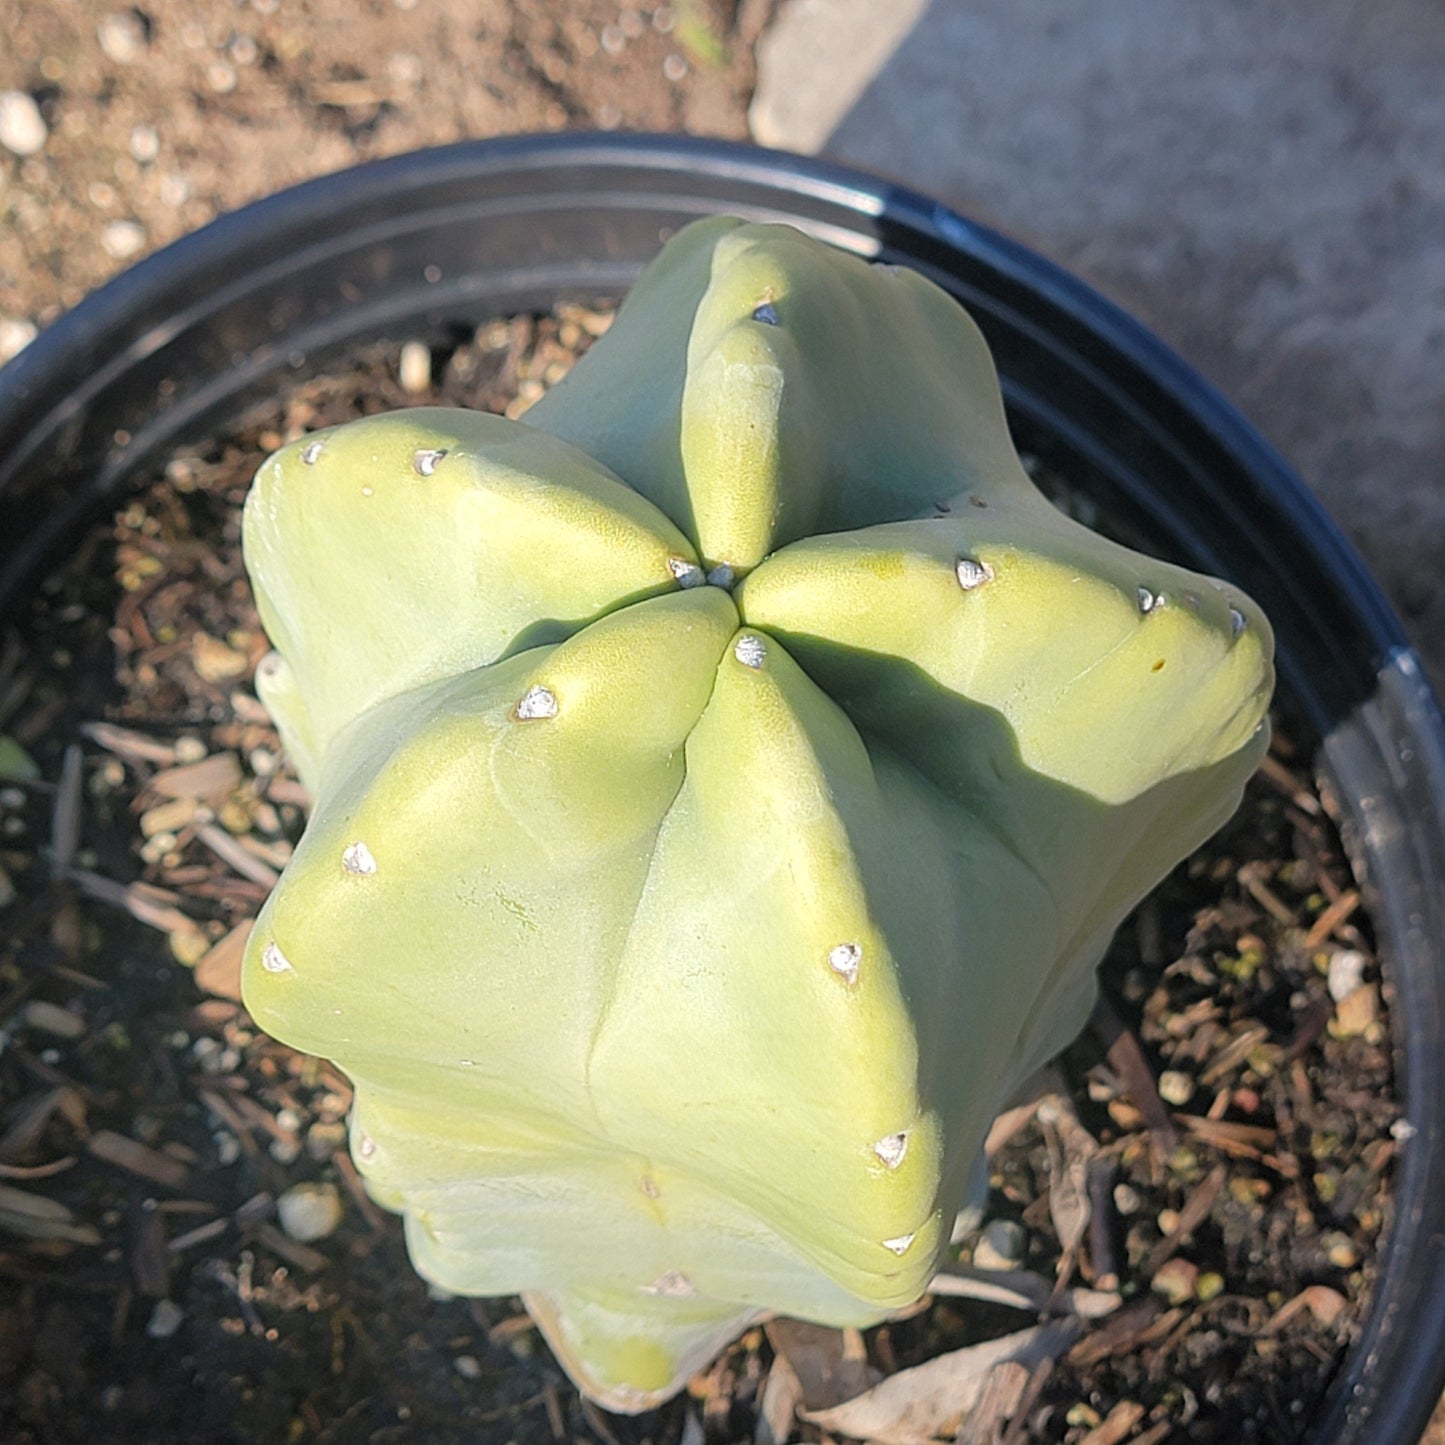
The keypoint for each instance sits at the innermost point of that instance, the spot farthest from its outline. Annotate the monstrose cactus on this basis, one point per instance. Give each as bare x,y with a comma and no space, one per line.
725,785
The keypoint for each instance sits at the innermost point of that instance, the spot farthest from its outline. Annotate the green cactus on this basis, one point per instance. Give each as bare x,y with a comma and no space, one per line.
682,940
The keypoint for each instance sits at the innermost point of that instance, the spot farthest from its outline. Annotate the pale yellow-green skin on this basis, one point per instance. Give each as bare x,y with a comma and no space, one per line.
691,994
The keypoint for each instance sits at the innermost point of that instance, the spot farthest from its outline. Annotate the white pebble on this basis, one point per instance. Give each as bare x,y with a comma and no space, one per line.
415,367
165,1319
1347,973
145,143
23,131
309,1212
122,37
674,68
1176,1087
1000,1246
15,336
123,239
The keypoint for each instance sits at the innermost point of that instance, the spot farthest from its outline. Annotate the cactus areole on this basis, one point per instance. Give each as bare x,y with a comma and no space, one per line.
725,783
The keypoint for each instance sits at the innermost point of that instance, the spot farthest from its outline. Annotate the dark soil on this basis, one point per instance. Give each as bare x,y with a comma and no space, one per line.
149,1293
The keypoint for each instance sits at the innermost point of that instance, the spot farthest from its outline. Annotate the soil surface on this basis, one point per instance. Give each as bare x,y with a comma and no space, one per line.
152,120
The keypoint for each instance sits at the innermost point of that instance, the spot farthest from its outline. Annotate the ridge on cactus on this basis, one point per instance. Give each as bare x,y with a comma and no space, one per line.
726,783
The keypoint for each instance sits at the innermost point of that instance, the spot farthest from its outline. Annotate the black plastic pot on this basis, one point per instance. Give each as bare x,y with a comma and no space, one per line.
429,244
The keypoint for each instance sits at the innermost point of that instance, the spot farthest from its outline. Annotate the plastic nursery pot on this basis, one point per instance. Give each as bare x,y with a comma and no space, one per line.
430,244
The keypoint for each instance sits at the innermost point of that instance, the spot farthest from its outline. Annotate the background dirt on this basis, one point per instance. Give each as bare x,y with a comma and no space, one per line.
160,117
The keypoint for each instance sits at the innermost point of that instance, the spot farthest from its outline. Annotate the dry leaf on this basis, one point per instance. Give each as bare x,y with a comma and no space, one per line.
830,1365
219,971
929,1401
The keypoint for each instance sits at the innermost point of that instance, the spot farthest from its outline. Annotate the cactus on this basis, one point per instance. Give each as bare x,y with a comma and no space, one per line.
682,939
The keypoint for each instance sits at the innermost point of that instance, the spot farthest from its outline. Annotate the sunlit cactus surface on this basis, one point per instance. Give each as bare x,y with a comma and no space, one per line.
725,785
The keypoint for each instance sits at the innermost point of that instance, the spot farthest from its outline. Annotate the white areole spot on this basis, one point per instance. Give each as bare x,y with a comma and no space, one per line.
891,1149
274,961
722,576
671,1285
1236,621
357,859
310,452
425,460
972,573
767,313
537,702
1150,601
688,574
366,1146
899,1245
750,650
844,960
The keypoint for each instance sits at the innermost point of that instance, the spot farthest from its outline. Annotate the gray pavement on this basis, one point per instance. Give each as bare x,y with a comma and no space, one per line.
1260,181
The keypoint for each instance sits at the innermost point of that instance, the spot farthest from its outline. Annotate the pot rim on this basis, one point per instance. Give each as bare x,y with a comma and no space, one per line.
1345,656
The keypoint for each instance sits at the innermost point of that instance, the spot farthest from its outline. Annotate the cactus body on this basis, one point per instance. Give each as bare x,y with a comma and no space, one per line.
682,940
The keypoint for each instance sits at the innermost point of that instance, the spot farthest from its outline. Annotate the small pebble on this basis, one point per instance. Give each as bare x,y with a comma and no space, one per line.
309,1212
123,239
122,37
1340,1251
1355,1013
165,1319
23,131
1126,1199
674,68
1000,1246
189,749
1176,1087
15,336
50,1018
1208,1286
1176,1280
468,1367
1347,973
414,370
145,143
221,77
